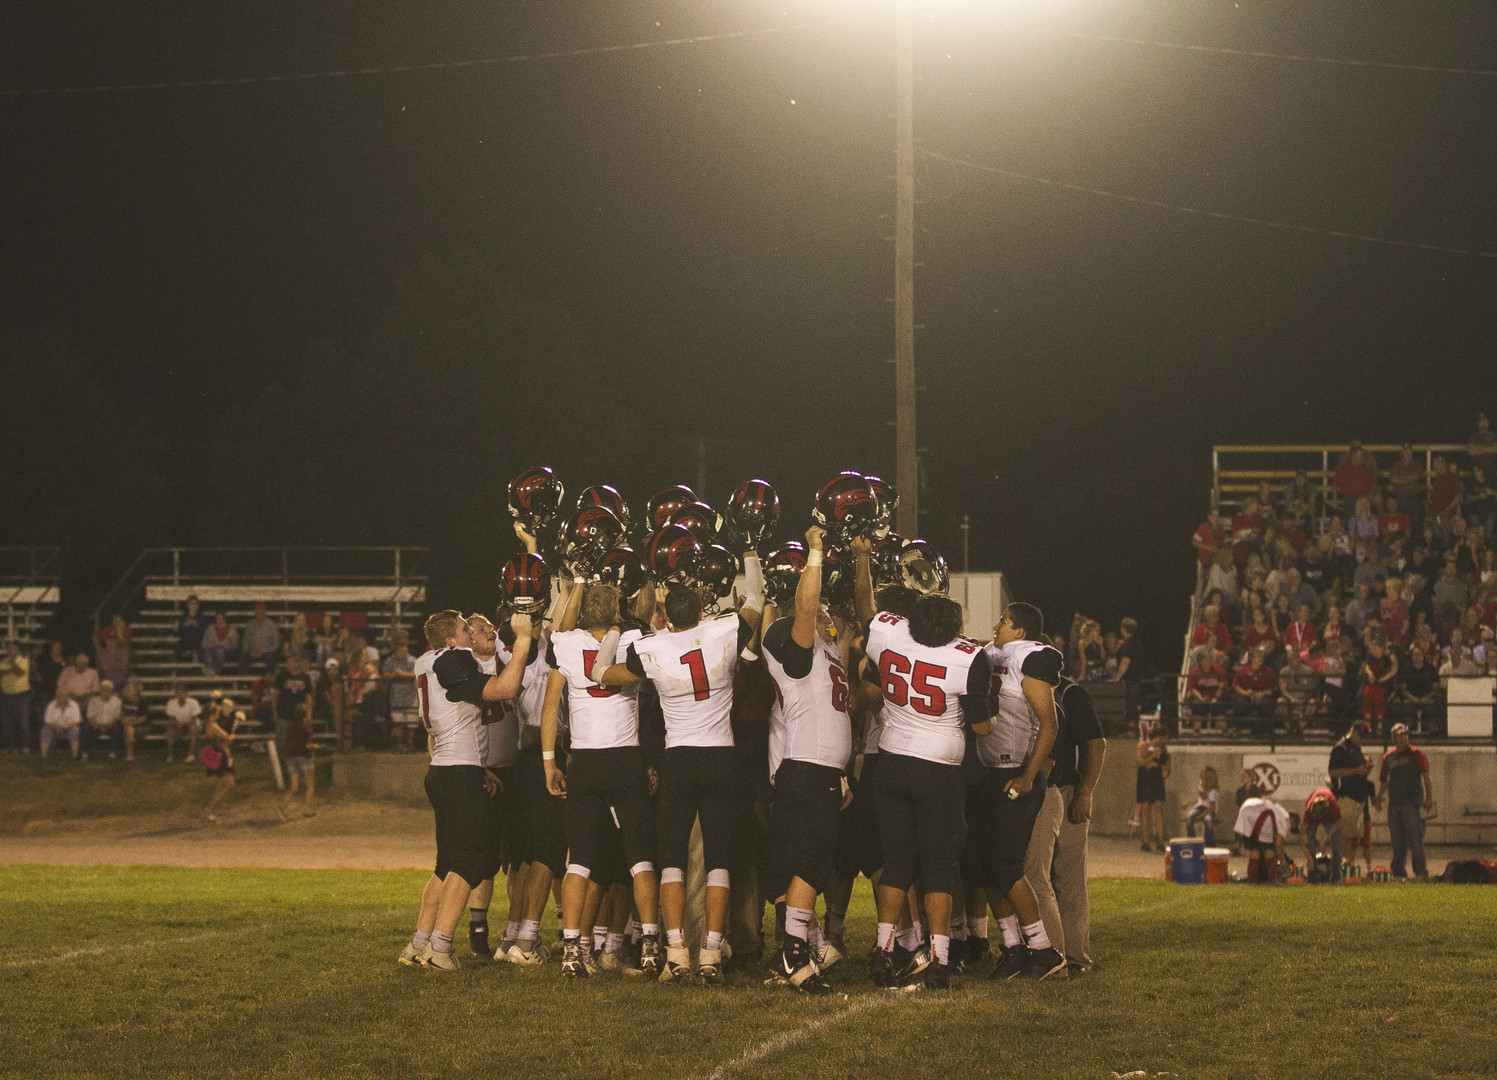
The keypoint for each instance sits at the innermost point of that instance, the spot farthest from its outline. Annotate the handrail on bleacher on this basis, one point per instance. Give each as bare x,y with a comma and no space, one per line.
1317,459
29,589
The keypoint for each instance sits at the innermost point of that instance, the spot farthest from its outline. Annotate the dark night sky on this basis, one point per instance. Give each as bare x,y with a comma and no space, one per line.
728,252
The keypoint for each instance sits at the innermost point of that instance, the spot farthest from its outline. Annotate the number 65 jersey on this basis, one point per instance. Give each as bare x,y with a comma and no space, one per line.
926,690
693,672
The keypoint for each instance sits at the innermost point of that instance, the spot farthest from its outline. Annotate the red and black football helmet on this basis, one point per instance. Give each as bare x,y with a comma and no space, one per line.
585,536
605,495
663,503
535,498
782,570
717,571
699,519
846,507
883,561
752,513
526,584
922,568
622,568
888,502
674,556
837,576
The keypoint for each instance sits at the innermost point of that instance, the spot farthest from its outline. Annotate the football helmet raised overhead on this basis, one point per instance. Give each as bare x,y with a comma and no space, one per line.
717,570
622,568
674,556
526,584
585,536
535,498
883,561
922,568
605,495
782,570
699,519
888,502
846,507
663,503
752,512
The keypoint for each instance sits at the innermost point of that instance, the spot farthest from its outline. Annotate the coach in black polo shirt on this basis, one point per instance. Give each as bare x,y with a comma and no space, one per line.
1350,784
1055,863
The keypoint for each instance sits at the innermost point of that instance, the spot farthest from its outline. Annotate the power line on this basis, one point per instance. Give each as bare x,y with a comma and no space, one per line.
401,69
1218,50
1217,215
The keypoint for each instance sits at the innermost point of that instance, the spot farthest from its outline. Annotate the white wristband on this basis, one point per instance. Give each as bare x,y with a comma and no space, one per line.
548,755
813,559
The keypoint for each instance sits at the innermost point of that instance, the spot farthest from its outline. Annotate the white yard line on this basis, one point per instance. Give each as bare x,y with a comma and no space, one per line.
106,950
786,1039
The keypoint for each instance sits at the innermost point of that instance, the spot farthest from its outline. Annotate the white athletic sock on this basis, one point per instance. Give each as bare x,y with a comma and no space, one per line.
599,933
530,930
614,943
646,929
586,943
419,940
571,935
886,936
632,928
909,938
1035,935
814,936
797,921
714,941
977,928
675,939
959,929
441,942
1009,926
940,944
919,930
512,929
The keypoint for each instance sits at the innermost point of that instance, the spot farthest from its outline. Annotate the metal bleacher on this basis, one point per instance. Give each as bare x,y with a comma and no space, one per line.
382,587
29,592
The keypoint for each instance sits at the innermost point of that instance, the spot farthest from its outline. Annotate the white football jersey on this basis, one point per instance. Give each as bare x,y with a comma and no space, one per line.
693,672
500,735
456,727
1016,725
813,709
873,727
1262,820
600,716
533,684
922,688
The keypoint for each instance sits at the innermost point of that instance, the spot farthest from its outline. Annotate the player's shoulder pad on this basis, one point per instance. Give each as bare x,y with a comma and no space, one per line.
1044,663
455,665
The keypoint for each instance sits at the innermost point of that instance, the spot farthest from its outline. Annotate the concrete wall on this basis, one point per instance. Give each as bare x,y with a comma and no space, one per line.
1464,780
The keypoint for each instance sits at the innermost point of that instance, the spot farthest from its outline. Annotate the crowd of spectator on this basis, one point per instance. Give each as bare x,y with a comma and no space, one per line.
359,692
1360,597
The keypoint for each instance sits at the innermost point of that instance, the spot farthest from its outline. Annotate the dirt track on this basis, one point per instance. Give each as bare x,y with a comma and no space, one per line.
348,834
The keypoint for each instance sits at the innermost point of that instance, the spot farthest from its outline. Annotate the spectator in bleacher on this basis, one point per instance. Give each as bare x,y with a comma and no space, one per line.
15,700
1482,445
191,627
1222,574
292,698
1363,524
299,640
1208,537
1369,570
1343,552
1356,473
1260,634
1393,521
1206,689
103,721
1379,671
1277,580
1406,483
113,652
1247,531
325,639
1451,596
62,720
79,680
1419,690
1299,495
1267,507
1300,594
1479,504
260,643
1281,615
220,644
1334,628
365,699
360,650
1468,550
332,692
1254,689
183,717
1314,572
1299,689
1335,679
400,685
117,630
1360,606
1445,494
1395,613
1212,630
1402,778
132,714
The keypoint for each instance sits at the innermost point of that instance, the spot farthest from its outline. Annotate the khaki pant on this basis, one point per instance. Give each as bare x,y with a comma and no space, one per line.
1068,873
1039,861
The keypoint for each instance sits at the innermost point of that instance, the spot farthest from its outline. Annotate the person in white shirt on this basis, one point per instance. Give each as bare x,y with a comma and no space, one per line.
62,720
182,714
451,689
1261,827
104,711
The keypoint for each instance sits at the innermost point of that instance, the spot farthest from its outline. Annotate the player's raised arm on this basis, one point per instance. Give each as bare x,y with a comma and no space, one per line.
808,591
506,684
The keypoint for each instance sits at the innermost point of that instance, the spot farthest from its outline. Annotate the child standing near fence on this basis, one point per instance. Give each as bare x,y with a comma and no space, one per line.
1207,800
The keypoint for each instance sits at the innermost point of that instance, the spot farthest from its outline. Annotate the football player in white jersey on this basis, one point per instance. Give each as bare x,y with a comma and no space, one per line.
1026,670
935,686
811,746
691,665
450,692
604,778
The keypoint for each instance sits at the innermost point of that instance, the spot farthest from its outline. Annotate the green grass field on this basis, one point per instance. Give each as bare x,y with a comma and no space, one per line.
248,973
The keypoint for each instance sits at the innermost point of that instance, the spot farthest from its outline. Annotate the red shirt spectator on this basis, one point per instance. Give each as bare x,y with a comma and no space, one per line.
1255,679
1395,614
1356,472
1208,537
1260,634
1212,631
1247,531
1299,635
1207,680
1323,795
1445,492
1392,521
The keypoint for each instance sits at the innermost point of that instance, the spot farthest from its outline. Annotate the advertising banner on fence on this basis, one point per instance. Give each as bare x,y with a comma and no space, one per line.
1288,778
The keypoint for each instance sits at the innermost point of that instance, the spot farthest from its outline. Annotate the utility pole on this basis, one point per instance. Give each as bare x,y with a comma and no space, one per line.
906,469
